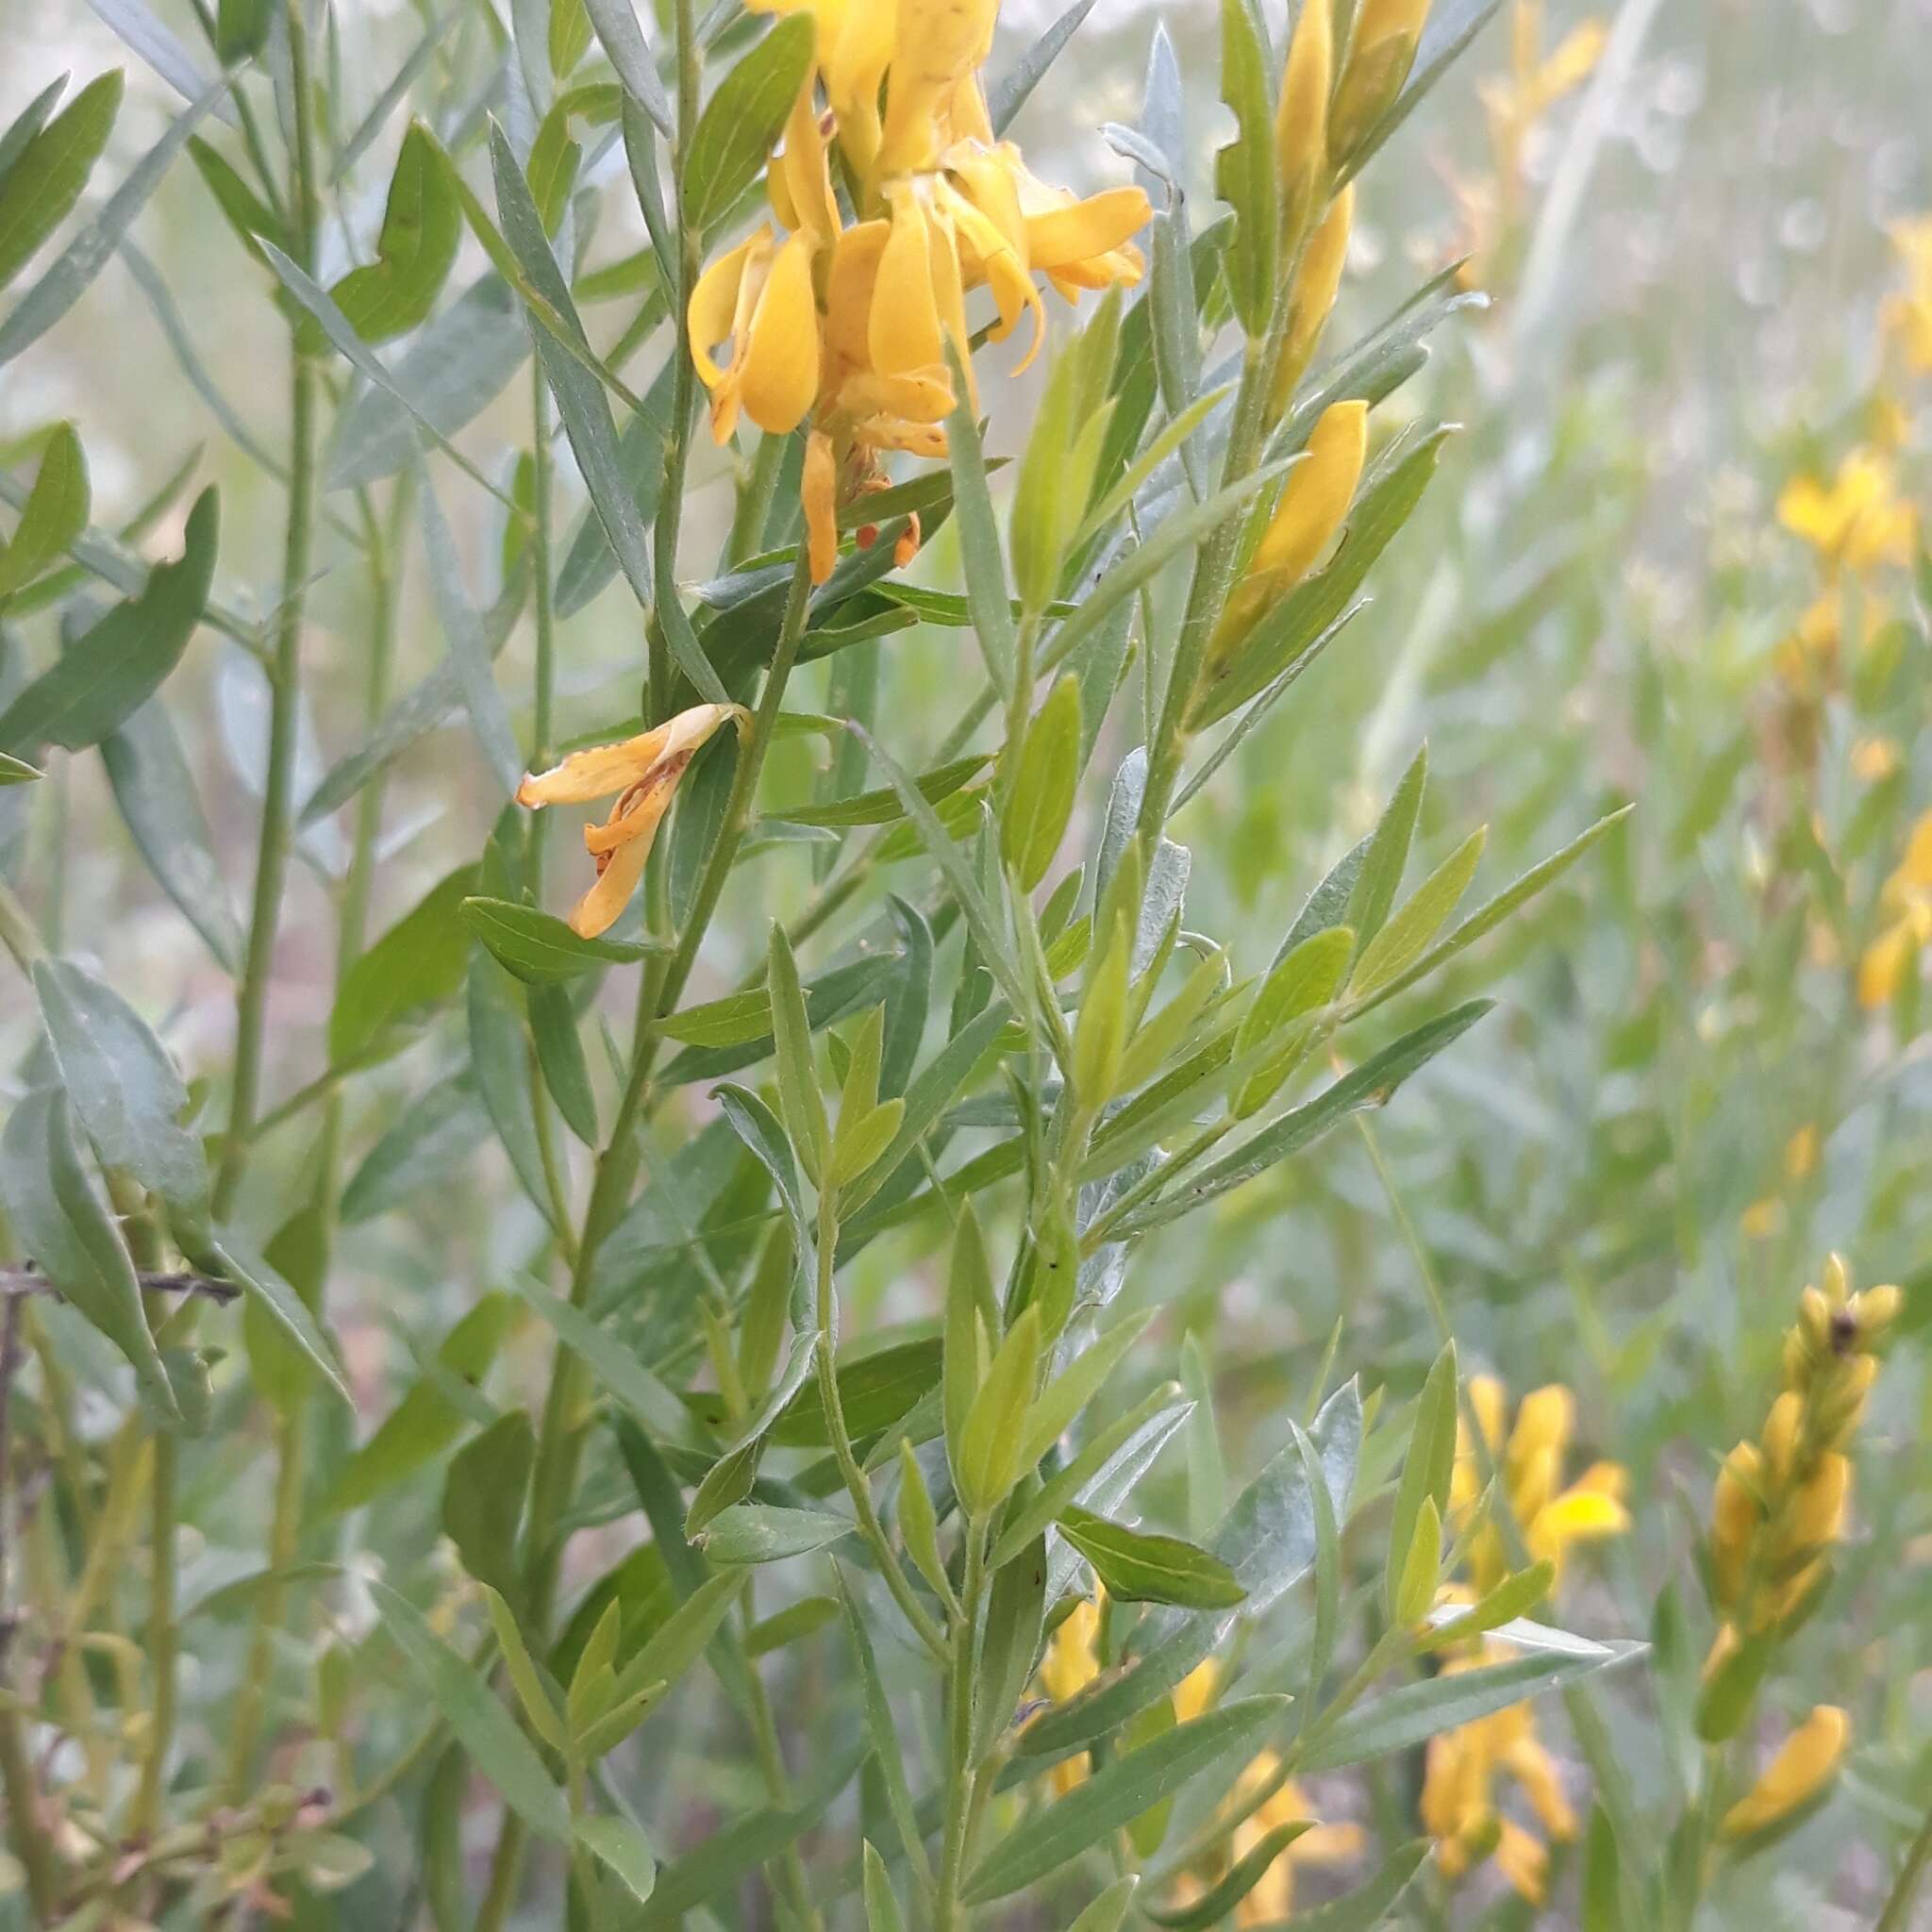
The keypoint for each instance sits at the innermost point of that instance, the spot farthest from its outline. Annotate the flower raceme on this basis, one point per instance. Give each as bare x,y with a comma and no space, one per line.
1458,1806
845,320
644,773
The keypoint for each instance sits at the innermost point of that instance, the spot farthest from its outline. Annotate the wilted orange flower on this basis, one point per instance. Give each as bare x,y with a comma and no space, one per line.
644,772
848,322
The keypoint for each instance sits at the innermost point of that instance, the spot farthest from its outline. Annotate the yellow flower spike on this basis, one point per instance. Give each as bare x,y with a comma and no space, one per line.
1804,1764
1315,286
644,772
1300,121
1380,56
1780,1437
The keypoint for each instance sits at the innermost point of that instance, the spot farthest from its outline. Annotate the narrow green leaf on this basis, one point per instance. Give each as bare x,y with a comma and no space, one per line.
616,23
990,1463
1371,1905
1139,1567
1388,855
882,1912
1515,1596
283,1305
536,1696
483,1495
484,1729
1401,942
55,512
987,597
44,176
621,1848
883,1731
538,947
612,1364
1118,1792
803,1105
765,1533
415,967
1426,1471
1041,800
743,120
1245,170
15,770
1219,1900
115,666
422,227
1065,1398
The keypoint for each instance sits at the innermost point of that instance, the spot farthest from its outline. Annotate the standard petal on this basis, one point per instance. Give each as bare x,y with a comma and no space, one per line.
780,374
596,773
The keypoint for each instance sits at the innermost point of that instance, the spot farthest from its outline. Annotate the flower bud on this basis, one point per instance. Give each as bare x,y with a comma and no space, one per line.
1315,284
1724,1646
1781,1428
1818,1509
1386,32
1301,121
1800,1770
1734,1518
1837,1280
1876,1310
1814,1319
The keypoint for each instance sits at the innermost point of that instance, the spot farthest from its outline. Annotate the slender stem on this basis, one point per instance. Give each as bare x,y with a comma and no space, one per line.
771,1758
162,1636
277,805
1896,1916
949,1915
857,1487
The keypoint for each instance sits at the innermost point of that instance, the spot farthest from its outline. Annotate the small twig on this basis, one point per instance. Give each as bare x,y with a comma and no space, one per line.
15,1282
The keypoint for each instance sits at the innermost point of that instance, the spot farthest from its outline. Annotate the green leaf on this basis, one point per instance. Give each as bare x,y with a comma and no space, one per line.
415,967
282,1305
883,1731
613,1365
918,1522
45,177
1401,942
422,227
677,1642
500,1045
1118,1792
987,600
426,1421
1422,1567
1009,1650
1371,1905
126,1090
114,667
538,947
483,1727
765,1533
1400,1720
63,1226
1037,810
875,1392
154,790
797,1621
989,1462
1215,1904
1108,1912
1388,855
483,1499
1065,1398
241,29
469,654
882,1912
1244,172
533,1692
743,118
1133,1438
803,1105
1140,1568
15,770
55,515
245,213
1515,1596
68,276
1298,985
621,1848
1489,916
453,369
561,1060
882,807
1009,92
1371,1084
616,23
1425,1473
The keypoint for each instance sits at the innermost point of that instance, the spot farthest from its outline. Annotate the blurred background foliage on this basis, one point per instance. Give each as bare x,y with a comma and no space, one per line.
1683,222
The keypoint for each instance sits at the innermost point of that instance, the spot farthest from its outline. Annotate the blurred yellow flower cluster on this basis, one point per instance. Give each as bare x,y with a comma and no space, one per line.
1907,317
1512,105
1072,1661
1906,899
846,320
1458,1802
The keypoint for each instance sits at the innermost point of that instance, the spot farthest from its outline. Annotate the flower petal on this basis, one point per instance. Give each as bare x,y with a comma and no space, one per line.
780,374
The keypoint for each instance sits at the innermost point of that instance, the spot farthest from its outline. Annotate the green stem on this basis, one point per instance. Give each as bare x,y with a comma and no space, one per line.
162,1638
764,1732
1897,1913
278,797
949,1915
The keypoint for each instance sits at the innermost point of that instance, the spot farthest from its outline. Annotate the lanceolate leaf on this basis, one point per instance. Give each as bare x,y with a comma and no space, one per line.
1137,1567
1369,1085
741,120
44,176
538,947
108,673
55,515
1124,1788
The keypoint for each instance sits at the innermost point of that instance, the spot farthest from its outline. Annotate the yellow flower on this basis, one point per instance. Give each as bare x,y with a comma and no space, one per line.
1300,121
1537,82
850,325
1458,1803
1314,501
1858,520
1272,1896
1071,1663
1316,282
1459,1806
1806,1763
1908,318
1382,51
1906,897
644,772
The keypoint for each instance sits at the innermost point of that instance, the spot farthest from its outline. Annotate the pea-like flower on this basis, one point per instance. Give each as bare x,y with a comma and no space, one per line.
644,773
1806,1762
847,320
